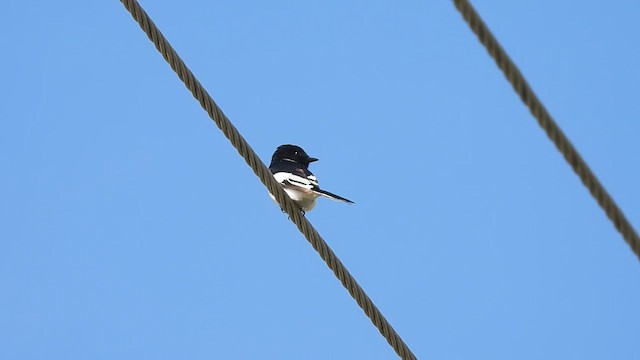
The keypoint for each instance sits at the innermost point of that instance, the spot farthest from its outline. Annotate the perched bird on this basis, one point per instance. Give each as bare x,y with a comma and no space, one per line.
290,167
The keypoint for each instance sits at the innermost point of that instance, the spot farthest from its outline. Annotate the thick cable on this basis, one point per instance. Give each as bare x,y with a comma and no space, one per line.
267,179
562,143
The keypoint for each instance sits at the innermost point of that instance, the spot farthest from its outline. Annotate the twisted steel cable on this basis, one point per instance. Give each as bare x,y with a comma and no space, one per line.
267,179
562,143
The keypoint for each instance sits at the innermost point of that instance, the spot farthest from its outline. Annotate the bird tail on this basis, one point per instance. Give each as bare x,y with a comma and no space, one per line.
333,196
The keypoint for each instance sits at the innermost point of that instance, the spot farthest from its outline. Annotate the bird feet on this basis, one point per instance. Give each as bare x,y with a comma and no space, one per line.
302,211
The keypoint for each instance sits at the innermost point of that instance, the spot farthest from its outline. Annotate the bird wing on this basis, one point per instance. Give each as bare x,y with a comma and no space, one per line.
295,181
307,183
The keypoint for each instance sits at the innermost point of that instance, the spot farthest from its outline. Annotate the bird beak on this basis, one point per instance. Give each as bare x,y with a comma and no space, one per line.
312,159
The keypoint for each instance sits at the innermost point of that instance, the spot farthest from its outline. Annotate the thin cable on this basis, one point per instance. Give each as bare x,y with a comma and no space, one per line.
571,155
267,179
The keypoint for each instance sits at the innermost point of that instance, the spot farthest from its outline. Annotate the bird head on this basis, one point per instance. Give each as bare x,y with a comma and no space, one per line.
292,153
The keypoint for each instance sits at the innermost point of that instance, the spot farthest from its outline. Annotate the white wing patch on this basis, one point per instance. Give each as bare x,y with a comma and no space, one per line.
295,180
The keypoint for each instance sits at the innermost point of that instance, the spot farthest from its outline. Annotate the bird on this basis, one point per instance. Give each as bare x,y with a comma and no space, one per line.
290,168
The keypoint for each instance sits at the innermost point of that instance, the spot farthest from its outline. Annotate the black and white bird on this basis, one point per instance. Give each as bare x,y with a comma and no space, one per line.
290,167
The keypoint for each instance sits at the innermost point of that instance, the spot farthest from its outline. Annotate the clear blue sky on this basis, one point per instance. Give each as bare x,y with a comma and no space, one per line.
131,229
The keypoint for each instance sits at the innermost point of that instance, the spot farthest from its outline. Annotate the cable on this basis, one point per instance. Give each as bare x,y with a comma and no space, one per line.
571,155
267,179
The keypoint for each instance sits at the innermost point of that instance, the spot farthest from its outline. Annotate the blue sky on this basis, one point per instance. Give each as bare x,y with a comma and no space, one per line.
131,229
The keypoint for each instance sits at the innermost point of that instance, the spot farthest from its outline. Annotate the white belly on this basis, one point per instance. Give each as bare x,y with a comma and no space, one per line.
305,200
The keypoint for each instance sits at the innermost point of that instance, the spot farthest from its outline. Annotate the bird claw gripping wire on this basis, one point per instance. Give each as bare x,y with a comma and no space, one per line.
289,217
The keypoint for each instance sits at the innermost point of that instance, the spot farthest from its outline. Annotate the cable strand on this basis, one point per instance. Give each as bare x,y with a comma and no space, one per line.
259,168
553,131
